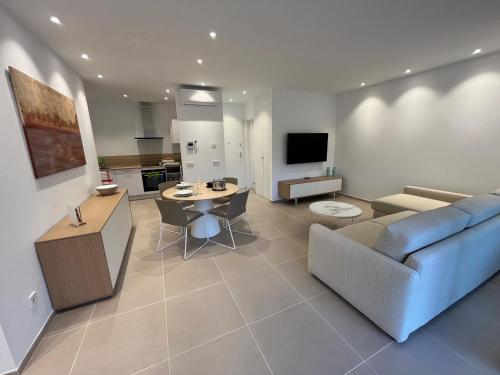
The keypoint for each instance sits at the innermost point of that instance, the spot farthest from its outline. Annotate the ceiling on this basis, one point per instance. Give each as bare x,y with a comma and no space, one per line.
144,47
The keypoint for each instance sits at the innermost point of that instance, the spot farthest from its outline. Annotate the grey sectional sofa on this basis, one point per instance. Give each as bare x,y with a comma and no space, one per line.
414,198
403,269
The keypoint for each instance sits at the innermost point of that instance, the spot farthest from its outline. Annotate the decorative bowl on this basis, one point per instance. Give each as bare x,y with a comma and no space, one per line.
107,189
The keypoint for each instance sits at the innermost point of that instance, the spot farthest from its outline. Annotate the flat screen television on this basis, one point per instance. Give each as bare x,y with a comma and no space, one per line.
306,147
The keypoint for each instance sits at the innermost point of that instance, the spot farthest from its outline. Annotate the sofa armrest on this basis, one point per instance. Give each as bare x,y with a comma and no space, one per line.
440,195
378,286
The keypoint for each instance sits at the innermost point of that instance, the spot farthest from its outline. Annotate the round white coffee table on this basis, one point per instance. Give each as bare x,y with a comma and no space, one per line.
339,210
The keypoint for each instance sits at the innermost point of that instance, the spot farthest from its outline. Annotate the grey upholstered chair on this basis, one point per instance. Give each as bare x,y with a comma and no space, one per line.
173,214
228,180
170,184
236,207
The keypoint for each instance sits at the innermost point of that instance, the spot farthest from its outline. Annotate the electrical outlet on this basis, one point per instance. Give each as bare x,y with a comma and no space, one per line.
214,145
215,163
190,164
33,297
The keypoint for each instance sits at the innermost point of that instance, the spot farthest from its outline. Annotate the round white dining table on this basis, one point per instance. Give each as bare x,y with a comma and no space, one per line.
203,202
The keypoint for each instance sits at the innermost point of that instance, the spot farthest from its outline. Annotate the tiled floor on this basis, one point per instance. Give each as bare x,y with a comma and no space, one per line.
253,310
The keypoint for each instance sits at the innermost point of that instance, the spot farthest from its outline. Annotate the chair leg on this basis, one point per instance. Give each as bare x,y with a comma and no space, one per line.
245,233
186,255
159,247
226,225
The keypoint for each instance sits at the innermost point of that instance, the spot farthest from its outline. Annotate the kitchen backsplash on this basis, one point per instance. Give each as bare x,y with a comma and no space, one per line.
137,160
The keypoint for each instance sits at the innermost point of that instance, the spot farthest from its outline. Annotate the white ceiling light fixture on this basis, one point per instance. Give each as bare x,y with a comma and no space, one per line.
167,91
125,95
477,51
100,76
230,99
166,98
363,84
408,71
244,92
85,56
56,20
199,61
213,35
203,83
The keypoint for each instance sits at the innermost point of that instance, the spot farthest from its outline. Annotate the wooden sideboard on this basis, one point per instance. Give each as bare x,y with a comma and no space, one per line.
81,264
305,187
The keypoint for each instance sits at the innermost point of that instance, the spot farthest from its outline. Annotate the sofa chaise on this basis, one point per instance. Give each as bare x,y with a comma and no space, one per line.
403,269
416,199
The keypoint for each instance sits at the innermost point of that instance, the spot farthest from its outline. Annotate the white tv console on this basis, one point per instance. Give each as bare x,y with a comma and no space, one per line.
305,187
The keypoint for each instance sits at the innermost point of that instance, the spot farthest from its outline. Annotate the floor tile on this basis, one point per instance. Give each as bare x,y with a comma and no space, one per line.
470,334
361,370
486,300
138,290
125,343
55,355
148,225
291,226
262,293
496,279
280,250
241,261
161,368
296,273
364,336
240,239
419,355
142,260
298,341
235,354
195,273
142,241
69,319
267,231
200,316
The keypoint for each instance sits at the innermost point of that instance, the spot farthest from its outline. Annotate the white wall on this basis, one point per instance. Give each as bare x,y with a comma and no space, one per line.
206,133
31,206
197,112
114,122
300,112
6,360
233,111
439,129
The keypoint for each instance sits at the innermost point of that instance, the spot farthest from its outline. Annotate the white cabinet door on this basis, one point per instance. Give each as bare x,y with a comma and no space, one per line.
174,132
303,190
131,180
329,186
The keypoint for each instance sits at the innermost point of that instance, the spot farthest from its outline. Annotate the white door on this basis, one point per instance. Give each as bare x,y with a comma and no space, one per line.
234,150
260,155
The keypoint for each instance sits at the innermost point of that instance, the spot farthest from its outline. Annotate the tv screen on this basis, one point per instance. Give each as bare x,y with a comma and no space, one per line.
306,147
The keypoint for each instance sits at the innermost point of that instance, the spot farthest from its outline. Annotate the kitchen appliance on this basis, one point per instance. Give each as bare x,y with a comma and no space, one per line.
218,185
152,177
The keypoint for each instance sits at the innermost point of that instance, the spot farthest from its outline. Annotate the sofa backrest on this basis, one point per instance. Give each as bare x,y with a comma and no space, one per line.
440,195
405,236
480,208
496,192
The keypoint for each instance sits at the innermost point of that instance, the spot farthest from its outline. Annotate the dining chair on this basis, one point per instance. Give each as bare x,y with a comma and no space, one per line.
228,180
236,207
173,214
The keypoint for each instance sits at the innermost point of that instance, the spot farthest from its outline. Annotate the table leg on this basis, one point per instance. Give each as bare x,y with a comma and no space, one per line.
212,224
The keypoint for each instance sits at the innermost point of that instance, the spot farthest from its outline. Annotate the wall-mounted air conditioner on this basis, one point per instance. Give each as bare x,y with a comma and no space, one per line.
200,97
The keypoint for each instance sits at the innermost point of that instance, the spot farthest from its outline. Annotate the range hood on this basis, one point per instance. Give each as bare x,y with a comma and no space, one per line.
146,128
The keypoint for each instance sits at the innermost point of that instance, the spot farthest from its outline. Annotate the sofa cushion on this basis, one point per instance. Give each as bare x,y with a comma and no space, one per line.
366,232
480,208
389,219
415,232
406,202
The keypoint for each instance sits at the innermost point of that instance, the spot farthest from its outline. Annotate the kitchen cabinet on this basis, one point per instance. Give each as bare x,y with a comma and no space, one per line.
306,187
130,179
174,132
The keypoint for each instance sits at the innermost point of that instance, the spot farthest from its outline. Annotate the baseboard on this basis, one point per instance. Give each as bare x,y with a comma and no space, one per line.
355,197
32,348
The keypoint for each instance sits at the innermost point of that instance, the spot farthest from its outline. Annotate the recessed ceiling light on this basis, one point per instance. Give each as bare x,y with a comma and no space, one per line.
125,95
166,98
167,91
213,35
99,76
199,61
85,56
55,20
244,92
230,99
203,83
363,84
407,71
477,51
